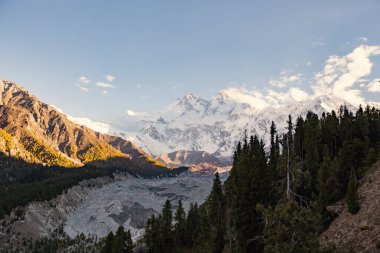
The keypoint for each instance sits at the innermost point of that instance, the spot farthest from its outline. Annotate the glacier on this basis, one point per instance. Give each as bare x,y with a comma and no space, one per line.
129,203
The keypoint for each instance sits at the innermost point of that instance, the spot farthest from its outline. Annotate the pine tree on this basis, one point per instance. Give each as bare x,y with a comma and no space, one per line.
166,224
289,152
299,138
212,220
128,242
289,228
108,246
328,185
272,155
352,194
192,224
312,148
215,206
371,158
118,245
180,225
153,236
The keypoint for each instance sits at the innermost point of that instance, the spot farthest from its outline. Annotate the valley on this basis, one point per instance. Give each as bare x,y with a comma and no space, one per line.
67,186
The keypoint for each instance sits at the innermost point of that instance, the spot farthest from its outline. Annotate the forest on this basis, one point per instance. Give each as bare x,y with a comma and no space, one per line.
275,199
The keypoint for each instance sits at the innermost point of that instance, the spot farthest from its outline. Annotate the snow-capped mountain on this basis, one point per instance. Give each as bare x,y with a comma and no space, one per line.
213,125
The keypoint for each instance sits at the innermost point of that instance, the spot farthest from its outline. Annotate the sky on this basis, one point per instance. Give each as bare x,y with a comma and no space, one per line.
98,59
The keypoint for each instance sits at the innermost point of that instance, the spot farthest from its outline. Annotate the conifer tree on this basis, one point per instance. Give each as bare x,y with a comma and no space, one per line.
128,242
352,194
328,185
289,228
119,241
153,236
299,137
192,224
215,205
312,148
108,246
180,225
166,224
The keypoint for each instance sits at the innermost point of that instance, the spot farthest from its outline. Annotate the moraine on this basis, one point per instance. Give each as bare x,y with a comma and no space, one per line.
131,202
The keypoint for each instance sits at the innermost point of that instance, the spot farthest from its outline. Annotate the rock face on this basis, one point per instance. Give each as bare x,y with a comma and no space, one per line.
37,132
197,161
41,219
359,232
131,202
97,206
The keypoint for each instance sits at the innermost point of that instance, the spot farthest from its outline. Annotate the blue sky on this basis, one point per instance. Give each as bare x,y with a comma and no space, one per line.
158,50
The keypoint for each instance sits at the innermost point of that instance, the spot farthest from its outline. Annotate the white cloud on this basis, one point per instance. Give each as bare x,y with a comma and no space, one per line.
341,76
284,79
131,113
292,95
110,78
104,85
341,73
105,92
84,89
253,98
363,39
374,85
83,80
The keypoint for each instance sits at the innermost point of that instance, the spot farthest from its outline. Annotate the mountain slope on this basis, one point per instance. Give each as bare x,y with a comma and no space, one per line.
41,133
359,232
212,125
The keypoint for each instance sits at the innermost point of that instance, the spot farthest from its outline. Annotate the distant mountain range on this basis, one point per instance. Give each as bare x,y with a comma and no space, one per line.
210,126
192,131
39,133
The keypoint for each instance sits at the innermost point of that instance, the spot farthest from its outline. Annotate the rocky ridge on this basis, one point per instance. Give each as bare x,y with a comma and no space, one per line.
37,132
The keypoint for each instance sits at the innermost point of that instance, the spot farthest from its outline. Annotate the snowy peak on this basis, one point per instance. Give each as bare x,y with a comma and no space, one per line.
213,126
188,97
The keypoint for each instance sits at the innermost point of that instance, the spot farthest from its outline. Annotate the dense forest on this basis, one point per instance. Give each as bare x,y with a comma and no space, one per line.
275,200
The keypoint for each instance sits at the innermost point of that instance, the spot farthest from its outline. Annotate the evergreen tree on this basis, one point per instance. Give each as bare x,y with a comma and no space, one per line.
128,242
371,158
346,124
327,184
312,148
351,155
212,220
108,245
192,224
153,236
180,225
299,137
215,205
118,245
166,224
289,228
272,155
352,194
